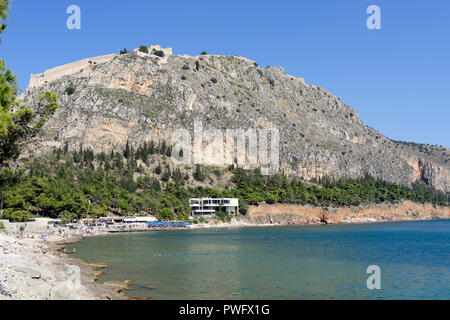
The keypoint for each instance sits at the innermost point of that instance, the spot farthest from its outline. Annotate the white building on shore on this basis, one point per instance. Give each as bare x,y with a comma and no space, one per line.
209,206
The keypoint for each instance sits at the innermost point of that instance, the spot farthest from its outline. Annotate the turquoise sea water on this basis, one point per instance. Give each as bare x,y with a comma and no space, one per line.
304,262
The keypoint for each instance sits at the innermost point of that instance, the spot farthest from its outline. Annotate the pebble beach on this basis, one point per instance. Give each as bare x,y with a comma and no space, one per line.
33,266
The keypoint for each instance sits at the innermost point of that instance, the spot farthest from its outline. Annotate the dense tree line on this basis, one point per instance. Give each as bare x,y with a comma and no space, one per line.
80,183
329,192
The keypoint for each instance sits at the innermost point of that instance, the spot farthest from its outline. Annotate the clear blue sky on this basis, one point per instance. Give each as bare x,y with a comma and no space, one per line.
397,78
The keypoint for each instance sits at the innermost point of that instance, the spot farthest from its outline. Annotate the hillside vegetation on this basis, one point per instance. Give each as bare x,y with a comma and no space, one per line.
142,181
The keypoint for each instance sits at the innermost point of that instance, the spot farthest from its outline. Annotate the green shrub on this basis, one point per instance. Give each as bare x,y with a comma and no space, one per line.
159,53
223,215
17,216
67,217
214,80
217,172
70,90
166,214
243,207
183,78
186,67
124,51
143,49
2,226
124,205
98,211
204,53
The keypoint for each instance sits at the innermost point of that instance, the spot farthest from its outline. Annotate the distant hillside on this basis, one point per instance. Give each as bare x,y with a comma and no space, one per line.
140,96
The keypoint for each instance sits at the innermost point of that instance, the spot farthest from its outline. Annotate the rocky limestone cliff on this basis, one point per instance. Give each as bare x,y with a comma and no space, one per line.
138,97
295,214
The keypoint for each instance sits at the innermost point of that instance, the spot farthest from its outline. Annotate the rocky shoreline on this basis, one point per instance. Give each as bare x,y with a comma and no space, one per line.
34,266
286,214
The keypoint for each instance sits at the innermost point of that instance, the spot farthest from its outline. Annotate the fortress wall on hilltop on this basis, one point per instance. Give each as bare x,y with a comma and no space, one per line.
67,69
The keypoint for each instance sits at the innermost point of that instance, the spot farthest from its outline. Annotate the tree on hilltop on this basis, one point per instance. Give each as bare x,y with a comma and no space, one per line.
143,49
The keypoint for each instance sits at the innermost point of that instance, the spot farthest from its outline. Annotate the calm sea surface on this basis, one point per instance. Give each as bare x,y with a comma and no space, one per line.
311,262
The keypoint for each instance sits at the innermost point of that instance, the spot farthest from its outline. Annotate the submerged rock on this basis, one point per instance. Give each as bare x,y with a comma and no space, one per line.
119,285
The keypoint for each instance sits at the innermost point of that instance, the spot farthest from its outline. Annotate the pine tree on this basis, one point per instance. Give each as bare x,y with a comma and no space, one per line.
155,185
198,174
177,177
80,154
166,175
163,147
126,151
169,151
66,148
152,147
76,158
158,169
